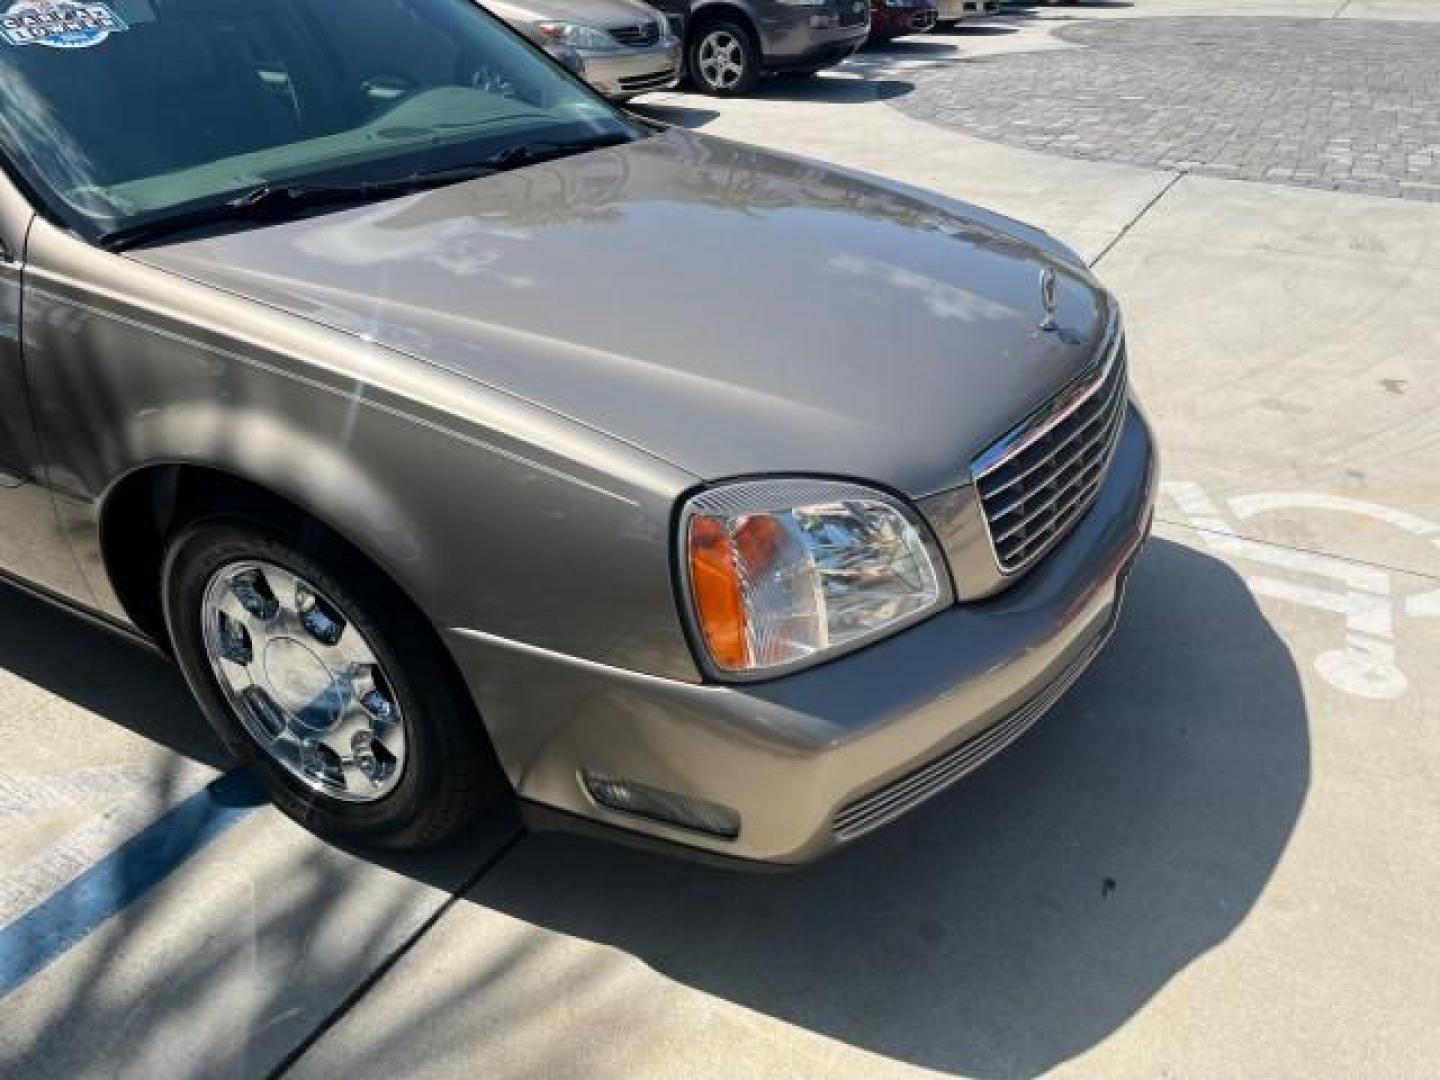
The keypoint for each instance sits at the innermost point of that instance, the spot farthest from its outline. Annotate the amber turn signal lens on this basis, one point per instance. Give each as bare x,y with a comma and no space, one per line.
715,585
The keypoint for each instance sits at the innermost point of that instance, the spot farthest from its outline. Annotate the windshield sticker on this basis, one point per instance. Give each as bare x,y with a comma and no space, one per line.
59,24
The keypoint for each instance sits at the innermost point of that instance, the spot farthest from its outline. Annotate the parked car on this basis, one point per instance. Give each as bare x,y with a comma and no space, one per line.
890,19
484,441
730,44
620,47
954,11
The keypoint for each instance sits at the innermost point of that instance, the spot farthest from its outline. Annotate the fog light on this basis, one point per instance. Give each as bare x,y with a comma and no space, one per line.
630,797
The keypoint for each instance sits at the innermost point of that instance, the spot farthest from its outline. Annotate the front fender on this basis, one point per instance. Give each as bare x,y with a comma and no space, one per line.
488,512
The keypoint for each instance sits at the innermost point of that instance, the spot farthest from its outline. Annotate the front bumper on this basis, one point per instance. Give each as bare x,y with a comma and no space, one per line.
812,760
624,73
790,38
888,22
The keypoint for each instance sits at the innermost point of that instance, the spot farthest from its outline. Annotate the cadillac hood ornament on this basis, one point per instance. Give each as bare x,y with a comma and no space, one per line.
1047,300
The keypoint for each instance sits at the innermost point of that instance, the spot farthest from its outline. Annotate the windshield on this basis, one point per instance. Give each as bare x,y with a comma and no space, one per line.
125,113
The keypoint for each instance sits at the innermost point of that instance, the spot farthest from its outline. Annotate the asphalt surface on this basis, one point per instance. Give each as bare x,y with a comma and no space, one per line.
1216,856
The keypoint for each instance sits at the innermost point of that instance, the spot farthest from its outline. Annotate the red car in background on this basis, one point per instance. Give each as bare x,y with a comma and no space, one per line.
890,19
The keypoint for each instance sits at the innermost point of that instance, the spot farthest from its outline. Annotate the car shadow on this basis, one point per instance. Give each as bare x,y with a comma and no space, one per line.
1008,925
913,47
1022,917
1026,9
969,30
840,86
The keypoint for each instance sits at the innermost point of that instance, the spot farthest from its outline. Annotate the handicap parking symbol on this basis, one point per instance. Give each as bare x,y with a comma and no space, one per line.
1366,663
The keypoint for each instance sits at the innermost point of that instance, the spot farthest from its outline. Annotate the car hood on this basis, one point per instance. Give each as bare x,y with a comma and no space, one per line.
601,13
729,310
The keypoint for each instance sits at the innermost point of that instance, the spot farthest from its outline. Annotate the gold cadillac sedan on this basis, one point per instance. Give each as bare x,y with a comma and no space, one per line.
462,437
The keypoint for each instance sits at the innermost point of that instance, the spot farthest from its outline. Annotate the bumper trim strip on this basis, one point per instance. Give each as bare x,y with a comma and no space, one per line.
888,803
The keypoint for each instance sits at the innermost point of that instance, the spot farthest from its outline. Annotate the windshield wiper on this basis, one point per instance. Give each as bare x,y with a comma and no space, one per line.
276,202
538,150
259,204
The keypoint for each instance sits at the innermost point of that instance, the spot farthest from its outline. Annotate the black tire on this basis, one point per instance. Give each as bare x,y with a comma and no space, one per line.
746,52
450,772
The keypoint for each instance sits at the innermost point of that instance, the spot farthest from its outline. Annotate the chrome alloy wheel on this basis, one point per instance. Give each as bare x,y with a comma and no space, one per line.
722,59
303,681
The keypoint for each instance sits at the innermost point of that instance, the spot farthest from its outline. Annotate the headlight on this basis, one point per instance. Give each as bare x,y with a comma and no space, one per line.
779,573
576,36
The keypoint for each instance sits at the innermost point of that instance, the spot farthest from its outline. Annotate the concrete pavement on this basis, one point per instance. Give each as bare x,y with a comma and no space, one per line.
1215,857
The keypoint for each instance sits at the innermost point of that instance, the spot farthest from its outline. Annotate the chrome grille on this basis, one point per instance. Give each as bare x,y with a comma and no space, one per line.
640,34
894,799
1039,480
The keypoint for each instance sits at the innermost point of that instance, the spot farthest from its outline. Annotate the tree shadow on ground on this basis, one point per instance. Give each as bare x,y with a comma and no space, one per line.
102,673
230,956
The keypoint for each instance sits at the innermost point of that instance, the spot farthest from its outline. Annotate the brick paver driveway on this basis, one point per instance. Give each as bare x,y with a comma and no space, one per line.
1348,105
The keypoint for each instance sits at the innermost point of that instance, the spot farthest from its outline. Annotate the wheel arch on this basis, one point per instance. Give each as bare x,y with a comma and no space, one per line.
718,10
143,510
148,507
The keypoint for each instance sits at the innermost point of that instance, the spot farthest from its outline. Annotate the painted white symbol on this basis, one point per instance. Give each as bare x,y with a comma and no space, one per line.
1367,665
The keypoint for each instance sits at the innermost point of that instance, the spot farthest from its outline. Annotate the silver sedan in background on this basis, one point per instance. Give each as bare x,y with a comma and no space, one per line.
620,47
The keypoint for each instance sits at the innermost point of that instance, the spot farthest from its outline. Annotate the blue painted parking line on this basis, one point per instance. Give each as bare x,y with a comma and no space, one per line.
48,930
